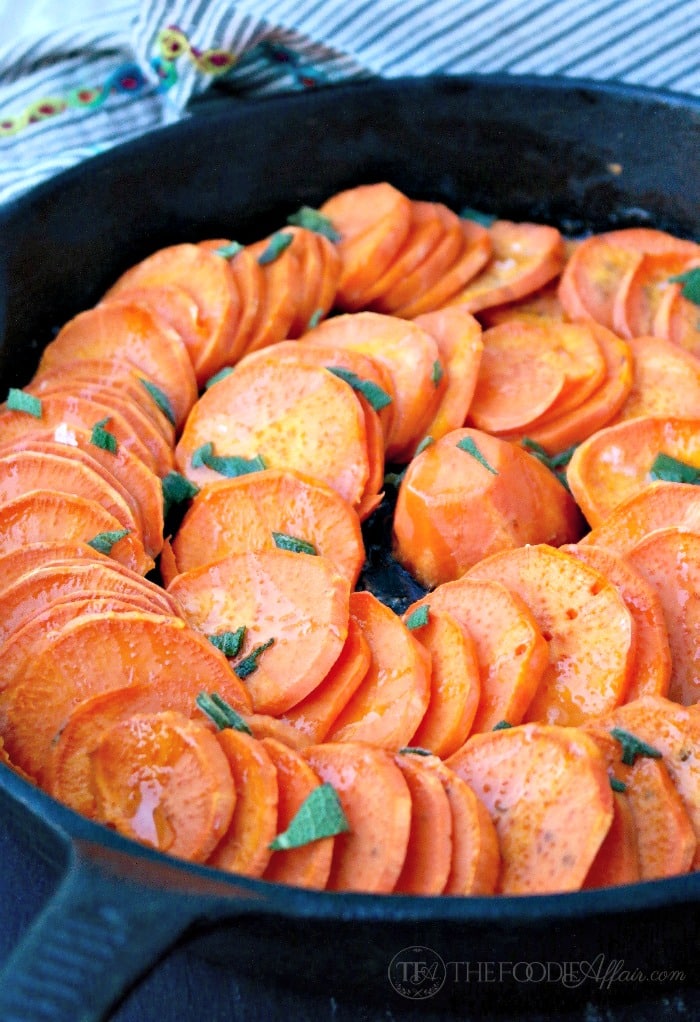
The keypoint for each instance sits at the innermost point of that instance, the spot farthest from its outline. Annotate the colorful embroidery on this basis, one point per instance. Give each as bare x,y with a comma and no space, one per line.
126,79
173,45
305,76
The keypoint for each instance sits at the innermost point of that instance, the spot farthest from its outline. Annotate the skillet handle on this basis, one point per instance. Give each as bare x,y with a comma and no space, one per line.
95,937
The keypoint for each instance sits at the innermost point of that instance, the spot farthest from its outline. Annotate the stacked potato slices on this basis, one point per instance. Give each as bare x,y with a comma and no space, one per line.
231,415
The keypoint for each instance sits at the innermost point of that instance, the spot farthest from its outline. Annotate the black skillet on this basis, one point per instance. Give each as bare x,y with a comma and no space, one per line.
571,153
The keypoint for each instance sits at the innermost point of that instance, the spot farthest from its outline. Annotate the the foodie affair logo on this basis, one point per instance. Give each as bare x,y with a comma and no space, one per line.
418,972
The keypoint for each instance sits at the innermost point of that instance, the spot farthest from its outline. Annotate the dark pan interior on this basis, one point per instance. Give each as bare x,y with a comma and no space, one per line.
569,153
564,153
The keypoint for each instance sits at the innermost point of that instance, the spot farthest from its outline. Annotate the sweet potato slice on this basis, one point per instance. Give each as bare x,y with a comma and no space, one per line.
110,380
512,654
505,494
674,731
36,555
390,702
46,515
377,804
36,589
64,412
373,221
616,462
642,288
129,330
598,266
410,356
547,791
583,617
664,834
558,433
313,717
207,279
157,436
458,337
657,506
454,683
30,470
524,257
174,306
651,672
310,864
474,255
98,653
245,514
22,643
162,779
364,369
428,861
297,417
520,378
617,861
542,306
294,608
425,231
308,251
669,559
373,491
591,278
476,857
250,281
278,294
264,725
244,848
666,380
416,283
136,483
676,319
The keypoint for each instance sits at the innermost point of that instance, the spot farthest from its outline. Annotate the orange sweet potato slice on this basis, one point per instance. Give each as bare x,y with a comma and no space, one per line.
583,617
162,779
294,608
245,514
314,716
308,865
410,356
616,462
458,337
476,857
547,791
428,861
46,515
298,417
666,380
373,222
129,330
524,257
98,653
669,559
512,654
507,496
244,848
390,702
651,671
454,683
376,801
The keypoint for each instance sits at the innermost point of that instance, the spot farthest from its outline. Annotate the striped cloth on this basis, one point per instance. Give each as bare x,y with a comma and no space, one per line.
94,81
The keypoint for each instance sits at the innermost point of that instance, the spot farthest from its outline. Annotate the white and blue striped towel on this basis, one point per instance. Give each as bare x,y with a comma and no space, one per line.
73,87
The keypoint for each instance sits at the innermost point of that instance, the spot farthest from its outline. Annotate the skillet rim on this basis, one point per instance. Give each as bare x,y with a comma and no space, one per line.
72,830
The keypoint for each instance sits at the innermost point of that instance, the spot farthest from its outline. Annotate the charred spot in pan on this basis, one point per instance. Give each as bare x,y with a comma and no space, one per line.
381,574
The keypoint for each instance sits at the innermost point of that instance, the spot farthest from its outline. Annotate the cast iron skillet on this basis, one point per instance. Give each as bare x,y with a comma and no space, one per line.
560,151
